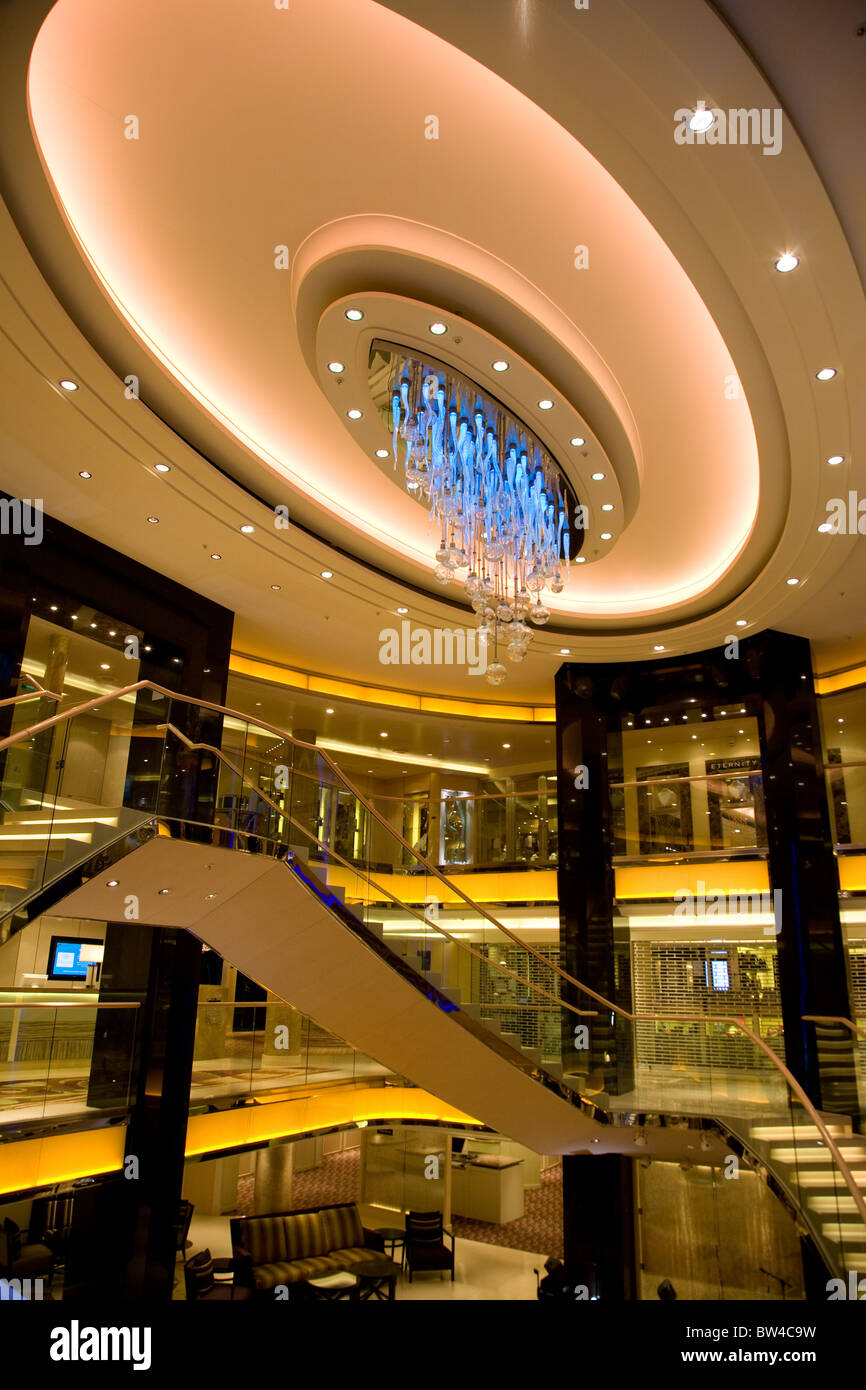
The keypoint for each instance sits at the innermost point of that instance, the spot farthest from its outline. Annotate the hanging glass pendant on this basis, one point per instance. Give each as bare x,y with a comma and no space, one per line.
499,502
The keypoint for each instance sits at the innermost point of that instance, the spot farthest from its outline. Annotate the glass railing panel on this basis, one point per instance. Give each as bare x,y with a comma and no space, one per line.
57,1061
661,814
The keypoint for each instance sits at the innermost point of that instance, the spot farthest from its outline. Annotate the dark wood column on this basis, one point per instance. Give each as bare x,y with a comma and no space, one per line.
598,1217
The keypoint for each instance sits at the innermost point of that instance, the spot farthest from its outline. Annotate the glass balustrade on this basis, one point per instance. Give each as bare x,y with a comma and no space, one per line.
62,1060
269,1051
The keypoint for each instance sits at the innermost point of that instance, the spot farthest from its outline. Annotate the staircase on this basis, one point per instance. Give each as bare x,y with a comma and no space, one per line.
799,1157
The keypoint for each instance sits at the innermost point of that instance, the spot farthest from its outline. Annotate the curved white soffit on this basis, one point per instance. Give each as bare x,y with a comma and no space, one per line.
700,485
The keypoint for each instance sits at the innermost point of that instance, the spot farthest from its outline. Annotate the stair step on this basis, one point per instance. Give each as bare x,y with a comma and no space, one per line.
841,1203
512,1038
300,852
533,1053
807,1154
452,993
845,1232
800,1131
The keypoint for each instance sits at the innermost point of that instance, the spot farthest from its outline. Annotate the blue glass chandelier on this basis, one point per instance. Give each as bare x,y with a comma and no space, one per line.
498,500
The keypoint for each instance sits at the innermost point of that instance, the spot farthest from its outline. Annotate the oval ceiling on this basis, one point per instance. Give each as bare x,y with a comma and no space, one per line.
185,148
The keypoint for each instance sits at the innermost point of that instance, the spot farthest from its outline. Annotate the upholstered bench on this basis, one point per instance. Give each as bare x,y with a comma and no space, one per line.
289,1247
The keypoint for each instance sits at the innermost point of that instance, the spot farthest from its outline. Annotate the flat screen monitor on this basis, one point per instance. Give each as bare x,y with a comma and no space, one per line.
718,974
64,957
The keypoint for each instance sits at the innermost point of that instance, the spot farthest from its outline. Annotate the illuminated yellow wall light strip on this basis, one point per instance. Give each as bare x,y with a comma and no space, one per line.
61,1158
387,698
841,680
256,1124
852,873
664,880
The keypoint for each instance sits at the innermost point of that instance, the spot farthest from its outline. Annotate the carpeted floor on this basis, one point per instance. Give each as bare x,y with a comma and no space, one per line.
339,1180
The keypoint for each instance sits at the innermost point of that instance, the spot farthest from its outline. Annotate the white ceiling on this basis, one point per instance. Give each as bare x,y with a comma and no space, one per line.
556,128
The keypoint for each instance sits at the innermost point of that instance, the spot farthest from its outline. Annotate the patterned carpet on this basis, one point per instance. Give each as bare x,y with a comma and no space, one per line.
339,1180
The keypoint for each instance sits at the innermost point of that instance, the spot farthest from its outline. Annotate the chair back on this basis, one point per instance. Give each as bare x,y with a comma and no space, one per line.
424,1226
198,1274
182,1224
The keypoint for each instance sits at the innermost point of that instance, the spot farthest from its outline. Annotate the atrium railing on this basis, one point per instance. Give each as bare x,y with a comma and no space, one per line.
266,1050
52,1066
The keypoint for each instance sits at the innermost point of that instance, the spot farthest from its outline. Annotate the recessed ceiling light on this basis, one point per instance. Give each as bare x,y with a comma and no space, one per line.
836,458
215,556
175,659
112,632
402,610
354,414
606,536
93,624
104,666
545,404
163,891
69,385
607,506
329,711
701,119
84,474
276,587
75,617
438,328
382,453
826,373
154,520
327,574
499,365
162,468
147,649
54,608
383,735
577,441
658,648
581,560
336,368
742,622
787,262
247,529
258,704
826,526
565,651
792,581
597,477
506,745
354,314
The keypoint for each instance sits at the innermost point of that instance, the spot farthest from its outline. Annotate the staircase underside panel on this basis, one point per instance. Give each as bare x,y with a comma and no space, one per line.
276,930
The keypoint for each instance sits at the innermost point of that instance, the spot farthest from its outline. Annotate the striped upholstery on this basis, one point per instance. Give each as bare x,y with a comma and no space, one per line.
342,1227
278,1238
303,1245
